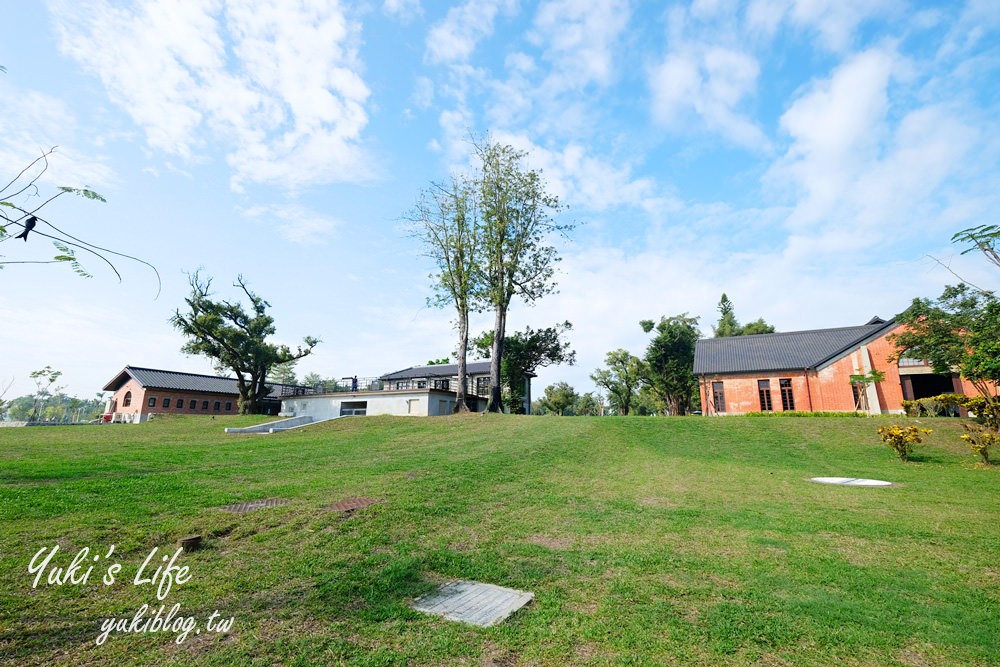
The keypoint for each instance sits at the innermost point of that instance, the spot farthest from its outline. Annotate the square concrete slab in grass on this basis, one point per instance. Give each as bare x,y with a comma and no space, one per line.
472,602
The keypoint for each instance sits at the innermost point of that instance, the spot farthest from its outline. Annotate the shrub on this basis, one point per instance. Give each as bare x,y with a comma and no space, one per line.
902,439
980,440
911,408
931,406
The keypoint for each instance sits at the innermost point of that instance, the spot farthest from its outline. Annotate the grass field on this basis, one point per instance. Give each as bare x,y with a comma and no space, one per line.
678,541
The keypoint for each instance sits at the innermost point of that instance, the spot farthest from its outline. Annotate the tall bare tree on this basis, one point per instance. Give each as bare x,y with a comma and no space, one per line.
446,219
517,257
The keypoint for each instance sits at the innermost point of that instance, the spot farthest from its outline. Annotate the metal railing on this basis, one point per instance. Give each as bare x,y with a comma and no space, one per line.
355,384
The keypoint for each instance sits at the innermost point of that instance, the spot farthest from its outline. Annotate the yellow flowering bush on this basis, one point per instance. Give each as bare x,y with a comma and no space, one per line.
902,439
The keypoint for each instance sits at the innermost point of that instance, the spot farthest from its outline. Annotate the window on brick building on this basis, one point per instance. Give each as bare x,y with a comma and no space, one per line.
204,405
229,406
718,397
787,398
166,402
217,406
764,390
180,403
127,401
151,402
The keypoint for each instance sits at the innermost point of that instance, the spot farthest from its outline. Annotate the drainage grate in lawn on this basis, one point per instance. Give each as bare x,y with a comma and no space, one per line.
850,481
350,504
251,505
472,602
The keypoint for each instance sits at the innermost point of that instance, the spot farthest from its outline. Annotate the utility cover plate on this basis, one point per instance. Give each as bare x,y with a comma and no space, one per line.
472,602
850,481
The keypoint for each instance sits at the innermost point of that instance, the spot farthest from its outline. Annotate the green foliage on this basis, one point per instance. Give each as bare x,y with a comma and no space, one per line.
43,379
235,338
283,373
959,330
439,362
621,379
902,439
558,398
728,325
668,367
517,222
447,221
589,405
984,238
524,353
86,193
861,382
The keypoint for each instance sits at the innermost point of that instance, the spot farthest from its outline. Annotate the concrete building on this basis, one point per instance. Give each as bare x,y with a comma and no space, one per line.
810,371
426,391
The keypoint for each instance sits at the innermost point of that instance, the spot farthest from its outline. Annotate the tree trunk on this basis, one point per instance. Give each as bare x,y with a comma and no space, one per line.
463,345
499,326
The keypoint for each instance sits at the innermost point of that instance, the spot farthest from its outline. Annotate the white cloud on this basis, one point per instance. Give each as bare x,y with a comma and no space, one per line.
30,124
579,39
579,178
859,177
297,224
712,82
835,21
278,84
453,39
404,10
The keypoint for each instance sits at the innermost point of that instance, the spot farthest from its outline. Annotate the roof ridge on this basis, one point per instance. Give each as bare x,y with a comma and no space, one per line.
792,333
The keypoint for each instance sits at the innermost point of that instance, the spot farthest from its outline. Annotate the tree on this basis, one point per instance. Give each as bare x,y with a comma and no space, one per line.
283,373
729,326
43,379
524,353
589,405
959,331
443,360
758,326
516,257
860,382
558,398
620,379
984,238
18,210
446,219
235,338
669,362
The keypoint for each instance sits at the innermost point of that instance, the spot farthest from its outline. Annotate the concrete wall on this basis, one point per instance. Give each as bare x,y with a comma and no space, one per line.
417,402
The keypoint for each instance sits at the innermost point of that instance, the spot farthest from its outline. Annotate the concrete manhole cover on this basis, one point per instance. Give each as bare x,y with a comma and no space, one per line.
472,602
251,505
350,504
850,481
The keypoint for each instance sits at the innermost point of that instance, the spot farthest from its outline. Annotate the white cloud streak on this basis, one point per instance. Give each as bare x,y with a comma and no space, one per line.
277,83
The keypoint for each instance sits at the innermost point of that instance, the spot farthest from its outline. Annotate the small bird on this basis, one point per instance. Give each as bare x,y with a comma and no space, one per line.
29,224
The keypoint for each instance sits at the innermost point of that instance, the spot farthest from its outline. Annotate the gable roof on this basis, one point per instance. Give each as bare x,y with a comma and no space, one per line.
438,371
173,380
795,350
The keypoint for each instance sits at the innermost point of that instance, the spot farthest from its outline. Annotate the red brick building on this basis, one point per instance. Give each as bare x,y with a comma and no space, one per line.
810,371
140,392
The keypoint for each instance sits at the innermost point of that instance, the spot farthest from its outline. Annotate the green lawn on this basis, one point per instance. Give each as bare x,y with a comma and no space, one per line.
647,541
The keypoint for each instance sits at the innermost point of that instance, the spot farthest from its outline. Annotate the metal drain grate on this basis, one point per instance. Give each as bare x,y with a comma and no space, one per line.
251,505
351,504
473,602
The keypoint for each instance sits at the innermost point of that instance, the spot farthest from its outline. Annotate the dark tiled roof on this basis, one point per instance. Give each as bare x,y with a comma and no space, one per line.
437,371
159,379
794,350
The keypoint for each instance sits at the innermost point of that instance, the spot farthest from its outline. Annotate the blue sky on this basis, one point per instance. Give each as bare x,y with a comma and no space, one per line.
803,156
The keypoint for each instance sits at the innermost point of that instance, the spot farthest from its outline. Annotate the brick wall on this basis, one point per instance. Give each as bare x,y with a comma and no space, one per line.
142,395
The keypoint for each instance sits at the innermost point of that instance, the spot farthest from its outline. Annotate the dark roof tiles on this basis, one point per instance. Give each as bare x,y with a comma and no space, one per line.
160,379
796,350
